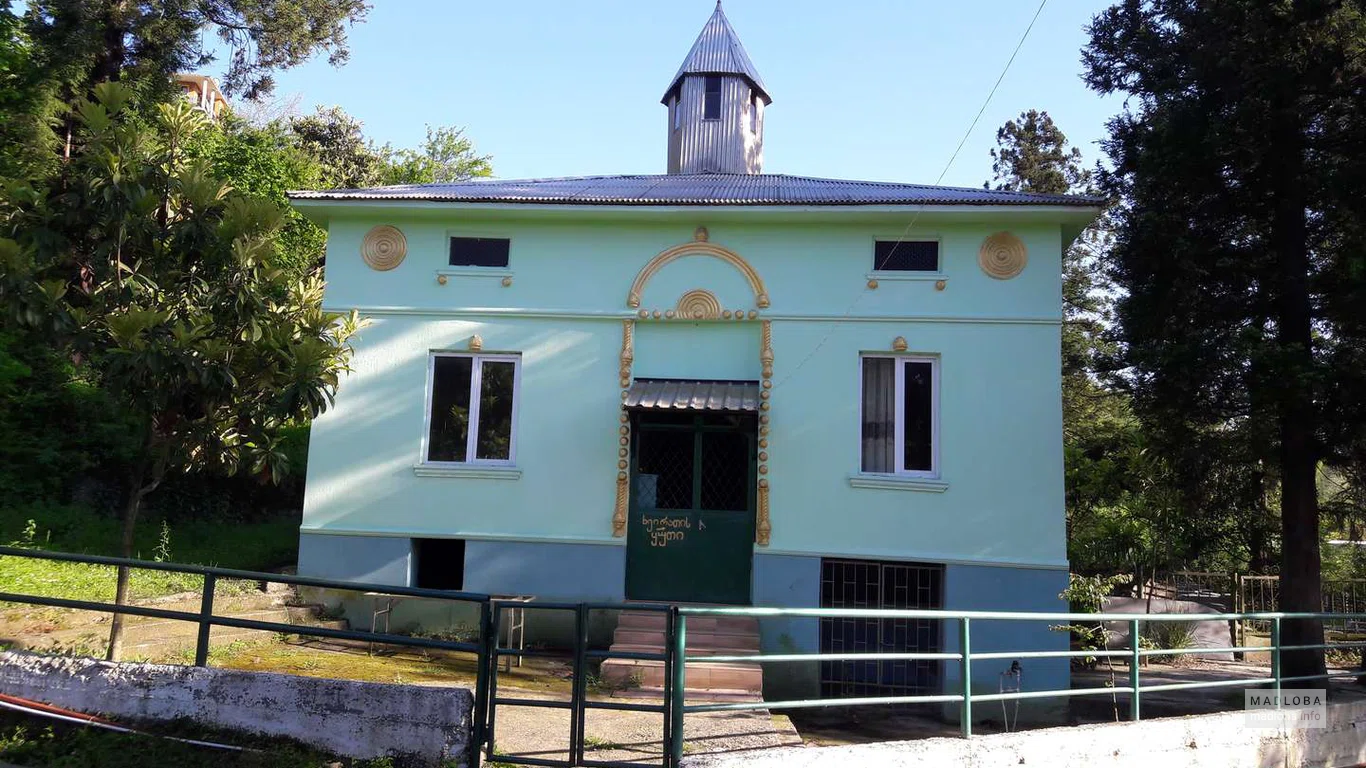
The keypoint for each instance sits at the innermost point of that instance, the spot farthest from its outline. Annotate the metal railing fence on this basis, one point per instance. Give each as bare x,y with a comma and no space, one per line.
486,649
579,704
964,696
207,619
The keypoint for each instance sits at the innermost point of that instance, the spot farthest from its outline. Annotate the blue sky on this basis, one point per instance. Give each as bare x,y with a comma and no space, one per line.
863,89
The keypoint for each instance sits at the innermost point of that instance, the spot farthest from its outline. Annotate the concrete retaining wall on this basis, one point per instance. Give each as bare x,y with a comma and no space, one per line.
361,720
1202,741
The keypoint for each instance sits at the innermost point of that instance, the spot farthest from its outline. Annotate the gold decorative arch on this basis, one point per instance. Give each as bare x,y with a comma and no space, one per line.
698,248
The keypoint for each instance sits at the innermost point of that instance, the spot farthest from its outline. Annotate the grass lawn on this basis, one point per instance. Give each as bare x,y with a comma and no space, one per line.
247,546
294,655
39,742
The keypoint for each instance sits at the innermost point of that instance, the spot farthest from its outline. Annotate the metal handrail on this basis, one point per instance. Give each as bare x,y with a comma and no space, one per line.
964,696
675,658
207,619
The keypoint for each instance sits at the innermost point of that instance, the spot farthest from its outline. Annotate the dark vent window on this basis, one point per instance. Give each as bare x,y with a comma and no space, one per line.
906,256
479,252
711,102
440,563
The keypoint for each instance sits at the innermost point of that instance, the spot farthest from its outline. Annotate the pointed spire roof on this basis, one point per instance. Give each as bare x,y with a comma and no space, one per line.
718,52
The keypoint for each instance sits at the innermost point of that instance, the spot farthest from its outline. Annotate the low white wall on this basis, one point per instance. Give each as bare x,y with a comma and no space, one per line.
1201,741
360,720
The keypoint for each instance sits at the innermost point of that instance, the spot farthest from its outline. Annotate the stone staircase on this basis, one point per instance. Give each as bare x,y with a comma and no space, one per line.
643,632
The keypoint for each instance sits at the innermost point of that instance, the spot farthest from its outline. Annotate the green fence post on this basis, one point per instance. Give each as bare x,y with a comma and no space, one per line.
1276,657
483,657
201,648
965,648
680,674
1134,659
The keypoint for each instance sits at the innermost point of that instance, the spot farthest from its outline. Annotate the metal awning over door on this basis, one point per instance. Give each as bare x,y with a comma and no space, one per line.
687,395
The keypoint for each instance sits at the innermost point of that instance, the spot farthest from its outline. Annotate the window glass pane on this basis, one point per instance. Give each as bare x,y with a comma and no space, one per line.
906,255
495,410
479,252
918,405
879,413
725,471
450,415
711,103
664,467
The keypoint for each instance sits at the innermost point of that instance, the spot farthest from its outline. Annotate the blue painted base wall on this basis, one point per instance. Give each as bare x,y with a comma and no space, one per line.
370,559
575,572
570,572
994,588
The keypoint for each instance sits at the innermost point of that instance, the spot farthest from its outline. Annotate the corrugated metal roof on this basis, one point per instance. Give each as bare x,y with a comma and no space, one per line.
670,394
718,52
696,189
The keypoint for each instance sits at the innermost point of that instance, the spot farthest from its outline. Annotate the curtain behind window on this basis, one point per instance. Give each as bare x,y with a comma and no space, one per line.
879,414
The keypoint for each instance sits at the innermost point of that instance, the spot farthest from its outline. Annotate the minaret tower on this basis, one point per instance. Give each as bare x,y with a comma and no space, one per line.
716,106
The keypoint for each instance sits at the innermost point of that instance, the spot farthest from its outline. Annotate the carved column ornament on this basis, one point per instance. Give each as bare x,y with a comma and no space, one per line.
628,354
763,526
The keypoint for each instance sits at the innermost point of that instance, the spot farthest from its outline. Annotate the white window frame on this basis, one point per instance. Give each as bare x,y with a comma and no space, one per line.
476,381
899,422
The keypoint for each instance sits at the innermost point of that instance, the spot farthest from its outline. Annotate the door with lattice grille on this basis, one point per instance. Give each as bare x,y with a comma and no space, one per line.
690,536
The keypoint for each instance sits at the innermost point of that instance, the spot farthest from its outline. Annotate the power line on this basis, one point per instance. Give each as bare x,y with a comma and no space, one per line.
902,237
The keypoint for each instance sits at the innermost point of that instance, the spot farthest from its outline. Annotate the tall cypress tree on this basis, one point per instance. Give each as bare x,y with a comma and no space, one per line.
1241,179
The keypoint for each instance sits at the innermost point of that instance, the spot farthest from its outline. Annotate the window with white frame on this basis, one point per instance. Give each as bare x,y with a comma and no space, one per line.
471,408
900,415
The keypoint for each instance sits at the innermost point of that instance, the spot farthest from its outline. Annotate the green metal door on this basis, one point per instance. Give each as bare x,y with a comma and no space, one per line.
690,535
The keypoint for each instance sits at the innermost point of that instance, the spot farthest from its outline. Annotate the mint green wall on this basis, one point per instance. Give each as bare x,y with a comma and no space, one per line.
1001,444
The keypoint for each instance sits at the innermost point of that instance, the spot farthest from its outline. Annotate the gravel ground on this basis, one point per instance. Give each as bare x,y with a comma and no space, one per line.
632,736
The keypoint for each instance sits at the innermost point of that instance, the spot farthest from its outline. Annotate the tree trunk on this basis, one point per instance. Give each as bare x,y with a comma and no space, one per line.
109,61
130,518
1301,577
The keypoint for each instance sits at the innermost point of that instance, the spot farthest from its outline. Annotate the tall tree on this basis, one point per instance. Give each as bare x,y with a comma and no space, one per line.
161,281
265,162
447,154
335,140
348,160
1032,155
94,41
27,104
1241,174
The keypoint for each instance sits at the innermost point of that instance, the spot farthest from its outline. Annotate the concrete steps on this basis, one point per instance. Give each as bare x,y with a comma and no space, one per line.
643,632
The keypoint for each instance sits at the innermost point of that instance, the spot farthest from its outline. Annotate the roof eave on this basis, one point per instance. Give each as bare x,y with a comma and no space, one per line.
757,88
1073,218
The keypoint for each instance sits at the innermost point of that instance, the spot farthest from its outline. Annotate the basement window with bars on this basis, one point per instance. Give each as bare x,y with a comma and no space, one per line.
711,98
871,584
472,409
479,252
899,415
906,256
